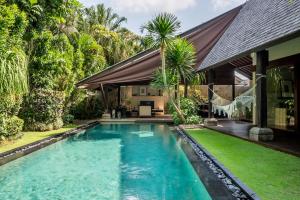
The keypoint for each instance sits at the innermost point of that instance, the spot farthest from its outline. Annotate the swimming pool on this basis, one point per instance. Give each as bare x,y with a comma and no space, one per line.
108,161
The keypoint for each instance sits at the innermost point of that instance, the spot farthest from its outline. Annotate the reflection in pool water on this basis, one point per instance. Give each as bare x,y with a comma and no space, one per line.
111,161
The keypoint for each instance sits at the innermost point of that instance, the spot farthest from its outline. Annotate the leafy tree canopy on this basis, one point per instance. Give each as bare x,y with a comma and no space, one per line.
13,64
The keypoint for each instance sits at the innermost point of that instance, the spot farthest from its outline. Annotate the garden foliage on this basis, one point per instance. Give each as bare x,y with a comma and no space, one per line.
42,110
189,110
13,69
68,119
90,107
45,48
10,124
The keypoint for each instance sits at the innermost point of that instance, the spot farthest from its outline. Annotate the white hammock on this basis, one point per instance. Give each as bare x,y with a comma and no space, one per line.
245,100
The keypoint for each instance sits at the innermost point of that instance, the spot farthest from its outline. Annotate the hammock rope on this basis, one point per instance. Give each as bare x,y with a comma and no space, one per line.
244,100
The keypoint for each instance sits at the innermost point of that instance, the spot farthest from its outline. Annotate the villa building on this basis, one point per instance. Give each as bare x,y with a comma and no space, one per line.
258,42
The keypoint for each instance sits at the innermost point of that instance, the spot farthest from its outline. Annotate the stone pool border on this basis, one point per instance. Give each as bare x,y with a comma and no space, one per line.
18,152
234,185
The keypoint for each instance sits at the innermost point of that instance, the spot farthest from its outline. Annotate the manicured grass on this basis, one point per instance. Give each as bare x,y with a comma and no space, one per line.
30,137
271,174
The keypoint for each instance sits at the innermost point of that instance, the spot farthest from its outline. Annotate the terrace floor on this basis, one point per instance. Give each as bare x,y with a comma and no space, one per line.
286,142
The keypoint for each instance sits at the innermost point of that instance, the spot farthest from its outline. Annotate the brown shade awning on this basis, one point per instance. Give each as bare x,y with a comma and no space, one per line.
140,68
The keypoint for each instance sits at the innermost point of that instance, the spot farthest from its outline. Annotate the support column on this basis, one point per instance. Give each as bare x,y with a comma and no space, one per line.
261,132
233,86
261,89
297,97
104,97
186,89
254,94
210,93
176,93
210,121
106,114
119,96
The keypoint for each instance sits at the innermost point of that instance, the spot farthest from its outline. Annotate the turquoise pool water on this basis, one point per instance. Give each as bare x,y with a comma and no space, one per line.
113,161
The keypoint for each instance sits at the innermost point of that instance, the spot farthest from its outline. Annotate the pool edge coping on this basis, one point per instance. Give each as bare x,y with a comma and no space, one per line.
13,154
228,174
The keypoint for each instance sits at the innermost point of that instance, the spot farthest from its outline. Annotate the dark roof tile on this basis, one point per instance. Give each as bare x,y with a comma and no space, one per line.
258,23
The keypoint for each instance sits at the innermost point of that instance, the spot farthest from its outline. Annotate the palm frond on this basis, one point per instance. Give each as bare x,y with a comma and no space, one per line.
13,73
162,28
181,58
158,82
104,16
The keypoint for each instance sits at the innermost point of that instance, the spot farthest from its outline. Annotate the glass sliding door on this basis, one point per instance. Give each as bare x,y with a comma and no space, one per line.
280,94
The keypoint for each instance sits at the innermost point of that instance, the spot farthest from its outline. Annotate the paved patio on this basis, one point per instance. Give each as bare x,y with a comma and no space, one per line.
286,142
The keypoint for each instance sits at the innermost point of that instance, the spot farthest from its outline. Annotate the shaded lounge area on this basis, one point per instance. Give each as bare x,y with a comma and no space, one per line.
125,86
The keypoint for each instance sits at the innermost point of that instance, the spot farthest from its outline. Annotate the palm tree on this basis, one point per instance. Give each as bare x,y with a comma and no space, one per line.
101,15
181,57
162,29
106,27
31,8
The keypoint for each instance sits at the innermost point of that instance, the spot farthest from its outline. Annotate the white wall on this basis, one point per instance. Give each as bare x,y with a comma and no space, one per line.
285,49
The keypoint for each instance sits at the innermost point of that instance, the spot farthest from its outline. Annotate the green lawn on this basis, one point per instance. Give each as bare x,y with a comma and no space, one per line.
271,174
30,137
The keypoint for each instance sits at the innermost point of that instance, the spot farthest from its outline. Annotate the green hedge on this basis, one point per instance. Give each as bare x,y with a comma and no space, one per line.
10,125
42,110
90,107
68,119
189,110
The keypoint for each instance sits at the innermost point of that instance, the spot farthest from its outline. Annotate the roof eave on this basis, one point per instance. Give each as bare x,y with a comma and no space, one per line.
256,49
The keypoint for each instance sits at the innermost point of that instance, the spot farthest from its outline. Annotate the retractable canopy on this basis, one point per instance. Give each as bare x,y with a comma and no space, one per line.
140,68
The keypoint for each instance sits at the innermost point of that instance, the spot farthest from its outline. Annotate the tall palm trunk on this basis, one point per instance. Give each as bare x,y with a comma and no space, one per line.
178,93
178,110
163,66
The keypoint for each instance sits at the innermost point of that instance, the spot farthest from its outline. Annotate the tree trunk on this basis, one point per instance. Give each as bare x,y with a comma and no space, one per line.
178,93
179,112
163,67
163,64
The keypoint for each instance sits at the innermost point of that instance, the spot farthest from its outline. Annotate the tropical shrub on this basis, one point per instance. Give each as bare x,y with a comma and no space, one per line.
10,125
47,46
10,104
90,107
13,69
51,62
13,23
13,64
93,54
193,119
189,110
68,119
42,110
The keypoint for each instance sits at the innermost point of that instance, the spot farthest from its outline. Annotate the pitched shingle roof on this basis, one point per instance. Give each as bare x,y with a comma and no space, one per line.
258,24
